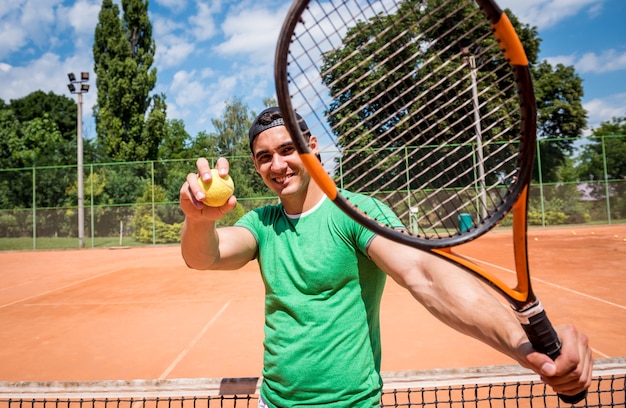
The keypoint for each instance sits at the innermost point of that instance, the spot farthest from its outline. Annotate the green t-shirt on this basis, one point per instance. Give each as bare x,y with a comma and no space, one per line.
322,330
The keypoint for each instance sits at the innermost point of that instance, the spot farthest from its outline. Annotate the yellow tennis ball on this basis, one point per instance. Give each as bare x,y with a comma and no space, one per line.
218,190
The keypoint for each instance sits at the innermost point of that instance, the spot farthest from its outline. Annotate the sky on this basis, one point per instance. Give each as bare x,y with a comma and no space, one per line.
211,51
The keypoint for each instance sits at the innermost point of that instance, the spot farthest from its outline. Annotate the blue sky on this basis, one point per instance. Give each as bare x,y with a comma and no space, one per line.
209,51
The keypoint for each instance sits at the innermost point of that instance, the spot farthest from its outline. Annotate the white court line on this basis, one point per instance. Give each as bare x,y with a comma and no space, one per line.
193,342
8,288
59,288
119,303
552,284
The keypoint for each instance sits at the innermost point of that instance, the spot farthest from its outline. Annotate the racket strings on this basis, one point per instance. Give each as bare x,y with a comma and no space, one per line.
405,106
416,125
416,162
400,83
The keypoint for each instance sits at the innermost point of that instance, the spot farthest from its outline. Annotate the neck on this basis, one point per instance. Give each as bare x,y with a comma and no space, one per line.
304,202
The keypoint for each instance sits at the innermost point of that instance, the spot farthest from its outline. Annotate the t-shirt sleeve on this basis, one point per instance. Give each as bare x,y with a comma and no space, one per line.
379,211
250,221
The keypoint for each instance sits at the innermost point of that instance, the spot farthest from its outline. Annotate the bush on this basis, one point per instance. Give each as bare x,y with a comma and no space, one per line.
162,234
8,225
551,218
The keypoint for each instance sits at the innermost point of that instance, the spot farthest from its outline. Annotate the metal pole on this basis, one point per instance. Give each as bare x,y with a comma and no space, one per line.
81,200
78,87
479,140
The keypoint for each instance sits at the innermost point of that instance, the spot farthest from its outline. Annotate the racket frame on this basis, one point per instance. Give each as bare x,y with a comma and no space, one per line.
521,298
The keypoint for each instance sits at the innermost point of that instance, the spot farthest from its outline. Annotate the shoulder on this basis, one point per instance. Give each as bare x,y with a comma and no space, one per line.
373,208
260,217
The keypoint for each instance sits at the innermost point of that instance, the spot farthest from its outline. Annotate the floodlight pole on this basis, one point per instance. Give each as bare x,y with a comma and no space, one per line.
78,87
470,60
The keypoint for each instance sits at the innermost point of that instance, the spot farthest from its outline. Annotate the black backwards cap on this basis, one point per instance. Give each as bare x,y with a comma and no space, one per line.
264,121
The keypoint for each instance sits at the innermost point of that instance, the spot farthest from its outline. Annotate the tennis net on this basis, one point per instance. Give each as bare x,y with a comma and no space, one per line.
493,387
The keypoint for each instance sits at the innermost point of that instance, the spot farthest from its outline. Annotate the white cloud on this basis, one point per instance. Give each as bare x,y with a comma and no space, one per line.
47,73
203,22
82,16
174,5
30,26
188,91
607,61
172,50
13,35
548,13
24,22
601,110
253,33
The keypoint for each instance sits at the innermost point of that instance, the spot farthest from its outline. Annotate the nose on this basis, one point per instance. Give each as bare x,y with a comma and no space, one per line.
278,162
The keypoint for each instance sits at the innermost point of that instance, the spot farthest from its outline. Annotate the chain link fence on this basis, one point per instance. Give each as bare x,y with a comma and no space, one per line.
128,204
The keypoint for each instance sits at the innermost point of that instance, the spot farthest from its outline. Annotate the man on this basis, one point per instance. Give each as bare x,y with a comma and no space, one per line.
324,276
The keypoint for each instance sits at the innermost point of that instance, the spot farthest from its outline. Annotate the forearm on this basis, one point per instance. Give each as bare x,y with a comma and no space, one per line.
459,300
452,295
200,244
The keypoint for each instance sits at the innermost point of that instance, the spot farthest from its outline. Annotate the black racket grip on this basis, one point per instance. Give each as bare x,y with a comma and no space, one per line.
544,339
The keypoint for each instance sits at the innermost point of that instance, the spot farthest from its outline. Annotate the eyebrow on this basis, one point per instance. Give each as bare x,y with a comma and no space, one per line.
282,145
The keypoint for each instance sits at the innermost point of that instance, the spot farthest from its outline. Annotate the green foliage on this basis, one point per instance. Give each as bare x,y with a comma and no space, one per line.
398,87
35,142
9,225
123,53
60,109
560,115
604,159
231,139
162,234
27,123
615,126
148,223
547,218
561,202
232,217
605,146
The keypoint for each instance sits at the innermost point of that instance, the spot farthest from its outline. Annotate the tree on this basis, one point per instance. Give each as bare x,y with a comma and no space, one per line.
558,95
609,142
380,84
59,108
29,143
231,139
123,53
61,111
374,95
174,155
560,115
604,161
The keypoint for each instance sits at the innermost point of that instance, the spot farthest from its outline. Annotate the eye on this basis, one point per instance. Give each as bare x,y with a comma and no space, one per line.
264,158
288,150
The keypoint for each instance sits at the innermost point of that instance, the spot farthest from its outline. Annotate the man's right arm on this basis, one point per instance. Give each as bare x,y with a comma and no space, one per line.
203,245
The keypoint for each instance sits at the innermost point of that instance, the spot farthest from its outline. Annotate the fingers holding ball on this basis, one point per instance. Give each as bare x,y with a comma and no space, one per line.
218,190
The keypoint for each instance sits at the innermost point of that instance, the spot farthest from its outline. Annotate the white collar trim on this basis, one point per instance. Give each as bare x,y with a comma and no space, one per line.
304,214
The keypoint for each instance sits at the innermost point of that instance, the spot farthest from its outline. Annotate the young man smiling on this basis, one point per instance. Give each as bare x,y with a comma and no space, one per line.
324,276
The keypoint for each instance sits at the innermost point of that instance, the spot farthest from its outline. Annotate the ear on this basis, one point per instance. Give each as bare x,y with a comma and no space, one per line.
313,145
256,167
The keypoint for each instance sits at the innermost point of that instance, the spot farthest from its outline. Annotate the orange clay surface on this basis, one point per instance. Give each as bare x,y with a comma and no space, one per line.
140,313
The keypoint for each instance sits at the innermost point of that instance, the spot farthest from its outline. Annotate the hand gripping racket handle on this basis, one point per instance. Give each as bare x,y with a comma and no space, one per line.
544,339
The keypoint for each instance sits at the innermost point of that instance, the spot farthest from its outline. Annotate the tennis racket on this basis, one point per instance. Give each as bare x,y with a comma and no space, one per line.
428,107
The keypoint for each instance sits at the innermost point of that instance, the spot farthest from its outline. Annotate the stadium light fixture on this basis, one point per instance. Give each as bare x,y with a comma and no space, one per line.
79,87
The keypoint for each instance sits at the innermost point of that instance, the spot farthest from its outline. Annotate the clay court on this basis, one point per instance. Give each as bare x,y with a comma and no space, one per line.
140,313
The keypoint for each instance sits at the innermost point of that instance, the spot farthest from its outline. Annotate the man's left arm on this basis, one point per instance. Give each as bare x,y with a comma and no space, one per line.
459,300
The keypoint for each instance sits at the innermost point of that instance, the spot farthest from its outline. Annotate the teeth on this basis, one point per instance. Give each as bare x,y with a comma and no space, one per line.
281,179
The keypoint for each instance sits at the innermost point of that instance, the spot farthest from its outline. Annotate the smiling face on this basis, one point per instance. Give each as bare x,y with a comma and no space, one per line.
278,163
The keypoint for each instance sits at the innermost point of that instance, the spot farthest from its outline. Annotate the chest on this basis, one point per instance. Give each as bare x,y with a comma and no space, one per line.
309,256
